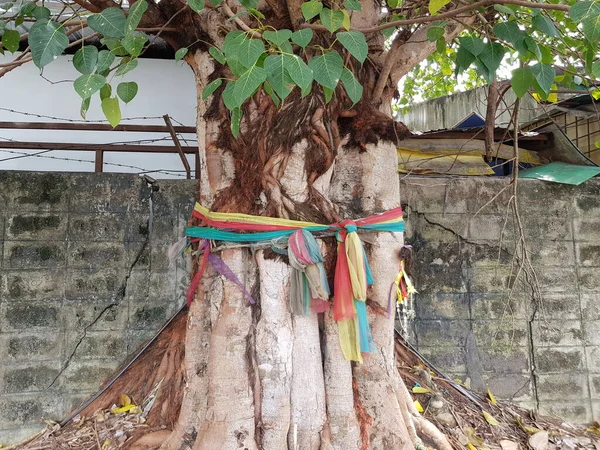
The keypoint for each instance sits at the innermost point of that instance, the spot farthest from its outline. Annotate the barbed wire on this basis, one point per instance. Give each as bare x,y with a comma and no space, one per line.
65,119
140,170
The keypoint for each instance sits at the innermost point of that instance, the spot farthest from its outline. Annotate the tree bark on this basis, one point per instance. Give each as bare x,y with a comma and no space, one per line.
260,377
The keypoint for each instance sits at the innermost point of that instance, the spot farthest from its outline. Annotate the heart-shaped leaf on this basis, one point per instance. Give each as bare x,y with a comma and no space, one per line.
110,22
127,91
87,85
47,40
111,110
85,59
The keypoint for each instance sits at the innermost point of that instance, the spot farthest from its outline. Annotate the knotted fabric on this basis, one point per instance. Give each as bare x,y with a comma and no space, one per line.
309,287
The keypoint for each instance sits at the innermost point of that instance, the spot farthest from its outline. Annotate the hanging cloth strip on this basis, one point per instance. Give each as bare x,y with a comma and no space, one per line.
309,287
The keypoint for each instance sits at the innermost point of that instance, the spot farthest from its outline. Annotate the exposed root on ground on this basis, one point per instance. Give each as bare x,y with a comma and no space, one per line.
457,422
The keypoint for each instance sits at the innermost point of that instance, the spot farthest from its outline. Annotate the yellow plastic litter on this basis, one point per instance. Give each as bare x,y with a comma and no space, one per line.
419,406
420,390
348,333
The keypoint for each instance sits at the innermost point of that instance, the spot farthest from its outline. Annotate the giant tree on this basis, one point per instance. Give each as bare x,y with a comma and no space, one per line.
294,121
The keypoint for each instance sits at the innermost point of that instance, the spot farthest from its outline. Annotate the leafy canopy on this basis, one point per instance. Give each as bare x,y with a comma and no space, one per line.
537,46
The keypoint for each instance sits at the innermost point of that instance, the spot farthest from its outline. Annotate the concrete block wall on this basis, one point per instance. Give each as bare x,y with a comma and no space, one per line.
83,281
532,337
78,294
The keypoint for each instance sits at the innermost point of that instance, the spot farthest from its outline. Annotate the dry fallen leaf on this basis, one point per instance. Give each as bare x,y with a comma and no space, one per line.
124,400
539,440
474,440
491,397
490,419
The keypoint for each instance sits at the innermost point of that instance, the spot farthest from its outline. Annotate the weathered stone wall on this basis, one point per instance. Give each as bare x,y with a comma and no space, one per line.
83,281
78,294
540,353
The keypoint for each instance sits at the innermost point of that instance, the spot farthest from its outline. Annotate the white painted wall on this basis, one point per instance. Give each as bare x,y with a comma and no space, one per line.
165,87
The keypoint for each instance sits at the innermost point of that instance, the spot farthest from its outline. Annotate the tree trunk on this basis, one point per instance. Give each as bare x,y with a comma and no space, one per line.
260,377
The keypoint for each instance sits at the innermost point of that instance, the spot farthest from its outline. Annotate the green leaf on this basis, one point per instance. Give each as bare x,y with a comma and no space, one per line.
19,20
544,76
106,91
47,41
434,33
302,37
388,32
492,55
464,59
196,5
85,59
332,20
393,3
507,31
87,85
248,83
504,9
10,40
436,5
591,25
85,107
236,118
544,25
352,5
440,46
547,54
311,9
583,10
211,87
134,43
596,69
110,22
127,91
328,94
27,9
327,69
105,59
277,76
41,13
136,11
217,55
249,3
256,13
278,37
126,65
115,46
355,43
232,43
532,47
521,81
472,44
298,71
179,54
111,110
228,98
353,88
346,23
249,51
269,90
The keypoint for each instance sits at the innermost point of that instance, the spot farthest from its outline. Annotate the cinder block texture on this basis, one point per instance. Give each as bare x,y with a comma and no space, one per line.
83,282
533,310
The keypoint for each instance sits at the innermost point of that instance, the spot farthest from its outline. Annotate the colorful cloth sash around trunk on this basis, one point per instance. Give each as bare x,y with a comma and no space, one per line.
309,287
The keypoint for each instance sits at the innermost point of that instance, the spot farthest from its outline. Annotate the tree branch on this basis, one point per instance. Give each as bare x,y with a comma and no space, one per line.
88,6
449,14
